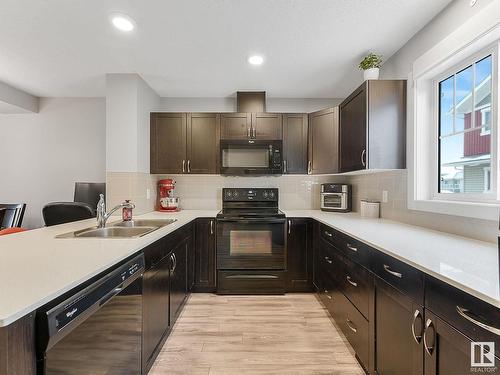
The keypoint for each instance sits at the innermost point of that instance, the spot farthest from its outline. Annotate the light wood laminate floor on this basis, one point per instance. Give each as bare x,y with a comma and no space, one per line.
290,334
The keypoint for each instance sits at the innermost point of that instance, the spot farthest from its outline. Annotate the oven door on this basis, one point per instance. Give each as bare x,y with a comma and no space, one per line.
334,201
252,244
252,157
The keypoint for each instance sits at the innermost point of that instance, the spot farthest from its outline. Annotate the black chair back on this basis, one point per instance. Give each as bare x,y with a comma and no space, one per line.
66,212
13,216
2,215
88,192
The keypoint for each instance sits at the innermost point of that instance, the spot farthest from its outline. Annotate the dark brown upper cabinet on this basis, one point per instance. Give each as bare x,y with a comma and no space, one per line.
373,127
265,126
168,142
295,143
236,125
323,141
203,136
184,142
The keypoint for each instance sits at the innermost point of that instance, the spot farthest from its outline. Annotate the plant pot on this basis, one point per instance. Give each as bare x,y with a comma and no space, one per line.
371,73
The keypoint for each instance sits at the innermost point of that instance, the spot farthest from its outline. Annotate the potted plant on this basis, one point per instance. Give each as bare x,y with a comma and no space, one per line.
371,66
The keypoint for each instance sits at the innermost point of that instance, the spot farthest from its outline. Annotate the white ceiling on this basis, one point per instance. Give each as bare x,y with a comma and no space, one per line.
198,48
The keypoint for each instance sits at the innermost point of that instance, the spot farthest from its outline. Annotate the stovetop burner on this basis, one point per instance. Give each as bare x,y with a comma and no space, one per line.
250,203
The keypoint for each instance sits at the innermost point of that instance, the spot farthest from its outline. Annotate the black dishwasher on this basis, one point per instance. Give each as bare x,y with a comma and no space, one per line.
96,330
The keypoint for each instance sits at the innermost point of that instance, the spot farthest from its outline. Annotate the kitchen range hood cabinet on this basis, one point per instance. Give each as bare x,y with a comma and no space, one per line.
251,101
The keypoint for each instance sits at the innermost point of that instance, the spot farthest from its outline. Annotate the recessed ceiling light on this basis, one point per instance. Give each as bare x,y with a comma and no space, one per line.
255,60
122,22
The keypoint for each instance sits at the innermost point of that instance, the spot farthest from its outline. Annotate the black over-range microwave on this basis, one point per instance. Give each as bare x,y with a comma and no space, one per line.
251,157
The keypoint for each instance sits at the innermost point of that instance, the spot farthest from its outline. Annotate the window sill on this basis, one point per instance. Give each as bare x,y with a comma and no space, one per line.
485,211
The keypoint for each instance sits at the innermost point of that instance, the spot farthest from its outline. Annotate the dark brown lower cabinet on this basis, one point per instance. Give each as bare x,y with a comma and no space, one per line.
299,255
155,293
399,332
166,284
178,280
448,351
205,255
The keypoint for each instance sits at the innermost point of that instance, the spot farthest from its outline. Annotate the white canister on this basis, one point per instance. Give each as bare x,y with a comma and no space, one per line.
370,209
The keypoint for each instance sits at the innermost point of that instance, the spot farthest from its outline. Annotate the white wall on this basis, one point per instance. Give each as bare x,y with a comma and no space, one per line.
43,154
13,100
292,105
371,185
129,100
449,19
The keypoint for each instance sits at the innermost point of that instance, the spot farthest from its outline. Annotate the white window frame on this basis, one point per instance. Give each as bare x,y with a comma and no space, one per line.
479,31
492,195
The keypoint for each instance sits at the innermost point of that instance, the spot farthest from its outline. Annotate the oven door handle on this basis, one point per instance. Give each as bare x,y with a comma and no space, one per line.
253,221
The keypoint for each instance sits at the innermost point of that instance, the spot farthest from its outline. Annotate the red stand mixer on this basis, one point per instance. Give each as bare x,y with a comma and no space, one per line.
166,200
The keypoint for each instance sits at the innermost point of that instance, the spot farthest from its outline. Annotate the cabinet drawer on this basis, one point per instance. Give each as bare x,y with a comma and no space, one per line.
354,326
353,249
464,312
251,282
357,284
329,261
400,275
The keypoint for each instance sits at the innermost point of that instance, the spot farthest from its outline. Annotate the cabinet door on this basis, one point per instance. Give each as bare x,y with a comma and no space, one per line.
353,132
323,141
268,126
155,306
168,143
203,135
295,143
448,352
205,255
236,125
399,329
178,280
299,255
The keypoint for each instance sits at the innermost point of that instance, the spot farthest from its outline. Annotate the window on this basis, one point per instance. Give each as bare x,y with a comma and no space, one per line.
453,132
465,145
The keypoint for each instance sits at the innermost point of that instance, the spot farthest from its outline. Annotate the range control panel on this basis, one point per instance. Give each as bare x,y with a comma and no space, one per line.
249,195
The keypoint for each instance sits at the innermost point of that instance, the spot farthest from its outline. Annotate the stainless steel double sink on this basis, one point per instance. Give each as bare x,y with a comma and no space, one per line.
121,229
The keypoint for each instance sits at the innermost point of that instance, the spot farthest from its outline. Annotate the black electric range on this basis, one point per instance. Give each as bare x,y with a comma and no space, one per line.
251,251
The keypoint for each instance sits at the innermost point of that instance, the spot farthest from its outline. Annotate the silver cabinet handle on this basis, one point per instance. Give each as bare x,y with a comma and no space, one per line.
363,158
289,226
417,338
352,248
328,233
328,260
284,166
254,132
248,132
349,280
183,166
211,227
189,166
309,167
173,262
351,325
429,349
466,314
393,273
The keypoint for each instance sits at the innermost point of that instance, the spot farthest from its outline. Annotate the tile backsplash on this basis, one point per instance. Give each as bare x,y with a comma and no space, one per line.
205,191
296,192
371,186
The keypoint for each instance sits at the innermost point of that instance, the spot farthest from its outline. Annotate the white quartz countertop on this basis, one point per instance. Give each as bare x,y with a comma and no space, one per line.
36,267
467,264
